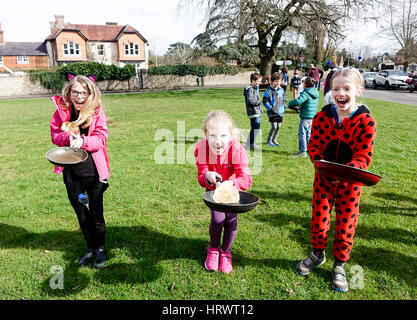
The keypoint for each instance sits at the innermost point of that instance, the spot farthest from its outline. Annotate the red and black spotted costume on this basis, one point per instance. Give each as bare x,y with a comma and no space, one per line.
350,143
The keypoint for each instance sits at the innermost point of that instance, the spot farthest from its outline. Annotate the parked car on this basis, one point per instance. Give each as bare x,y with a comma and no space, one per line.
390,79
368,78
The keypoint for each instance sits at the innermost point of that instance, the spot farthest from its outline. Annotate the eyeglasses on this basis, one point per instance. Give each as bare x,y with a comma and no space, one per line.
76,93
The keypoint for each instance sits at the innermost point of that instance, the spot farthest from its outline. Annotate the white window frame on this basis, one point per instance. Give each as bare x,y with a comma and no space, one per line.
22,59
71,48
131,49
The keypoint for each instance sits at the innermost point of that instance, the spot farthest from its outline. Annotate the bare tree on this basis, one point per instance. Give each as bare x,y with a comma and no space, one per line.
262,23
403,27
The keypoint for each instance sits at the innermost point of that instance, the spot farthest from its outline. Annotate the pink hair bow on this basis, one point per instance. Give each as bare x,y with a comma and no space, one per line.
71,76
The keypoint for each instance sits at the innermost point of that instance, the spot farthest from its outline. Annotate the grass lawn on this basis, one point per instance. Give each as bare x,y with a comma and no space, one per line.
157,223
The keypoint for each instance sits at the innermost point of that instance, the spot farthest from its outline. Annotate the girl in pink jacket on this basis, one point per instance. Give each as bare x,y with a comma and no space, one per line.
219,155
79,121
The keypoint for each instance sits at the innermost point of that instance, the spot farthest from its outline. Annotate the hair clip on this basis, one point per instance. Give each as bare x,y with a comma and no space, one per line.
92,78
72,76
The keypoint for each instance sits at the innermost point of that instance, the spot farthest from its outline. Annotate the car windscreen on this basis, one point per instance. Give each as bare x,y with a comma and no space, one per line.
396,73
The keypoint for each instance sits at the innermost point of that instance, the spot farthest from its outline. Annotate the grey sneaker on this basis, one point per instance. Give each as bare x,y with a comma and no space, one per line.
307,265
300,154
339,281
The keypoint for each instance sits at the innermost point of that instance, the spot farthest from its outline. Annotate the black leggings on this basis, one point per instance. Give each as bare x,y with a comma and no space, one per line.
91,219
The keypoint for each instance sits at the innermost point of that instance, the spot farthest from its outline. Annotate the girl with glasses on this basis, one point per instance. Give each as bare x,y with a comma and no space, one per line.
79,109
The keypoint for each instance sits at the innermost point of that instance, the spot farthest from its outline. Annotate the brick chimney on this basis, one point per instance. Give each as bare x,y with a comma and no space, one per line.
1,36
58,23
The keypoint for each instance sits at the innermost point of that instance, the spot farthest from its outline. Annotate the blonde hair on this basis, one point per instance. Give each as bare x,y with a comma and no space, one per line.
92,103
220,115
352,75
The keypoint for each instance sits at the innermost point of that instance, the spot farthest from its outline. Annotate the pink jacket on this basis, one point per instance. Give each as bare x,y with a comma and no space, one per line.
95,142
231,165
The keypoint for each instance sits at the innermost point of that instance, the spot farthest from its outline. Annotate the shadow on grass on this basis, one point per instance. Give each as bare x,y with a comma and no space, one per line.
275,195
145,246
386,234
406,206
395,196
393,263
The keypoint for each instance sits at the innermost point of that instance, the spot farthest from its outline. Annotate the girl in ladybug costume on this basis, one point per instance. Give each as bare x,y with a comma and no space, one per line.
344,133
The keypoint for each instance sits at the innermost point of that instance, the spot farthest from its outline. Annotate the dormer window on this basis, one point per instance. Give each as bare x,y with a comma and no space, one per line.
71,49
131,49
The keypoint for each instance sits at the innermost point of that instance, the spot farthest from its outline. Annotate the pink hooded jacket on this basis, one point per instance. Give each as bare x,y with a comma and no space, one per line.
95,142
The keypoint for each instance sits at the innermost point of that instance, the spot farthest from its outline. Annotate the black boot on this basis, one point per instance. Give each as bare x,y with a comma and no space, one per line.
100,260
85,259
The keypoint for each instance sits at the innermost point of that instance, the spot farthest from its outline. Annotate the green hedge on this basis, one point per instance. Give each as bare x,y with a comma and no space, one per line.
55,80
199,71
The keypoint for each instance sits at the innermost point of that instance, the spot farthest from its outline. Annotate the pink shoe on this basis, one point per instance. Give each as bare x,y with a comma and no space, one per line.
225,262
212,261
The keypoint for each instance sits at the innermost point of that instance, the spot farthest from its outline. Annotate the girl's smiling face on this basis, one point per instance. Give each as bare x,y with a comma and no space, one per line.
345,93
218,136
78,96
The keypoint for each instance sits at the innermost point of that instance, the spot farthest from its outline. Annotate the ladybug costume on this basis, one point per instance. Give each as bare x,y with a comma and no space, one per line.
349,142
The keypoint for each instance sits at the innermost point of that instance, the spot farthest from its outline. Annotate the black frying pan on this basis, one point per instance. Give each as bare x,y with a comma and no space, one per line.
66,156
247,202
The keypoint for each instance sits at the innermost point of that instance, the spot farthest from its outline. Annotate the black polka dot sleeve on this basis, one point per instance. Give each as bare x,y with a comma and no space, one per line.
364,143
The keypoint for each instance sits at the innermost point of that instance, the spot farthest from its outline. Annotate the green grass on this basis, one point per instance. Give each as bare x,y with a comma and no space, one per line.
157,223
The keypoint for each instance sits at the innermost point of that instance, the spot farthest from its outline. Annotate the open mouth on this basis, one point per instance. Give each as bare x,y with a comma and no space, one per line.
342,102
219,149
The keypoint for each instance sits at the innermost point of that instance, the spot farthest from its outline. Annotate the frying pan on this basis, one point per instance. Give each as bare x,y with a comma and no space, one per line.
346,173
66,156
247,202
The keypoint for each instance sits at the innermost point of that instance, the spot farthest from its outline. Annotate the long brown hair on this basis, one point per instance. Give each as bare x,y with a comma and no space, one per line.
92,103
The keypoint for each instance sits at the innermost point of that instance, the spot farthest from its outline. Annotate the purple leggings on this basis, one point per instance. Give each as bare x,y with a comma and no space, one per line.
220,220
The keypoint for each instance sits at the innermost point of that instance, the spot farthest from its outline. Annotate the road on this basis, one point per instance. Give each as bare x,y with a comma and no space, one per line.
398,96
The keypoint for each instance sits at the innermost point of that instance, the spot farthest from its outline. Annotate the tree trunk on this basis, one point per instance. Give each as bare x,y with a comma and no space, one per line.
266,62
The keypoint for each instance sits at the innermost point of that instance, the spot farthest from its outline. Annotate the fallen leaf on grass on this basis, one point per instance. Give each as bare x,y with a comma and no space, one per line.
298,284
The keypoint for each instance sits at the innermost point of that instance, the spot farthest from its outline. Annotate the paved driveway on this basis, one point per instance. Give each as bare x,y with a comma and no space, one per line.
399,96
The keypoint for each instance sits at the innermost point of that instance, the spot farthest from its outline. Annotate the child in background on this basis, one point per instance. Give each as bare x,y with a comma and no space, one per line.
295,84
342,133
285,78
220,155
308,101
80,104
253,108
274,102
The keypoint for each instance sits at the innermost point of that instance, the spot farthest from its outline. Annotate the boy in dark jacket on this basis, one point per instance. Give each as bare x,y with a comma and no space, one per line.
253,108
308,101
295,84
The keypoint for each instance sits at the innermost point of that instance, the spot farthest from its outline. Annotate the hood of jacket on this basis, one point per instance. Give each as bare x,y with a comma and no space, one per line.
313,92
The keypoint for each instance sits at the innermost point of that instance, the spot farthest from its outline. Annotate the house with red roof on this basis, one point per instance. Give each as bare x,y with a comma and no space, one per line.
22,56
109,44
